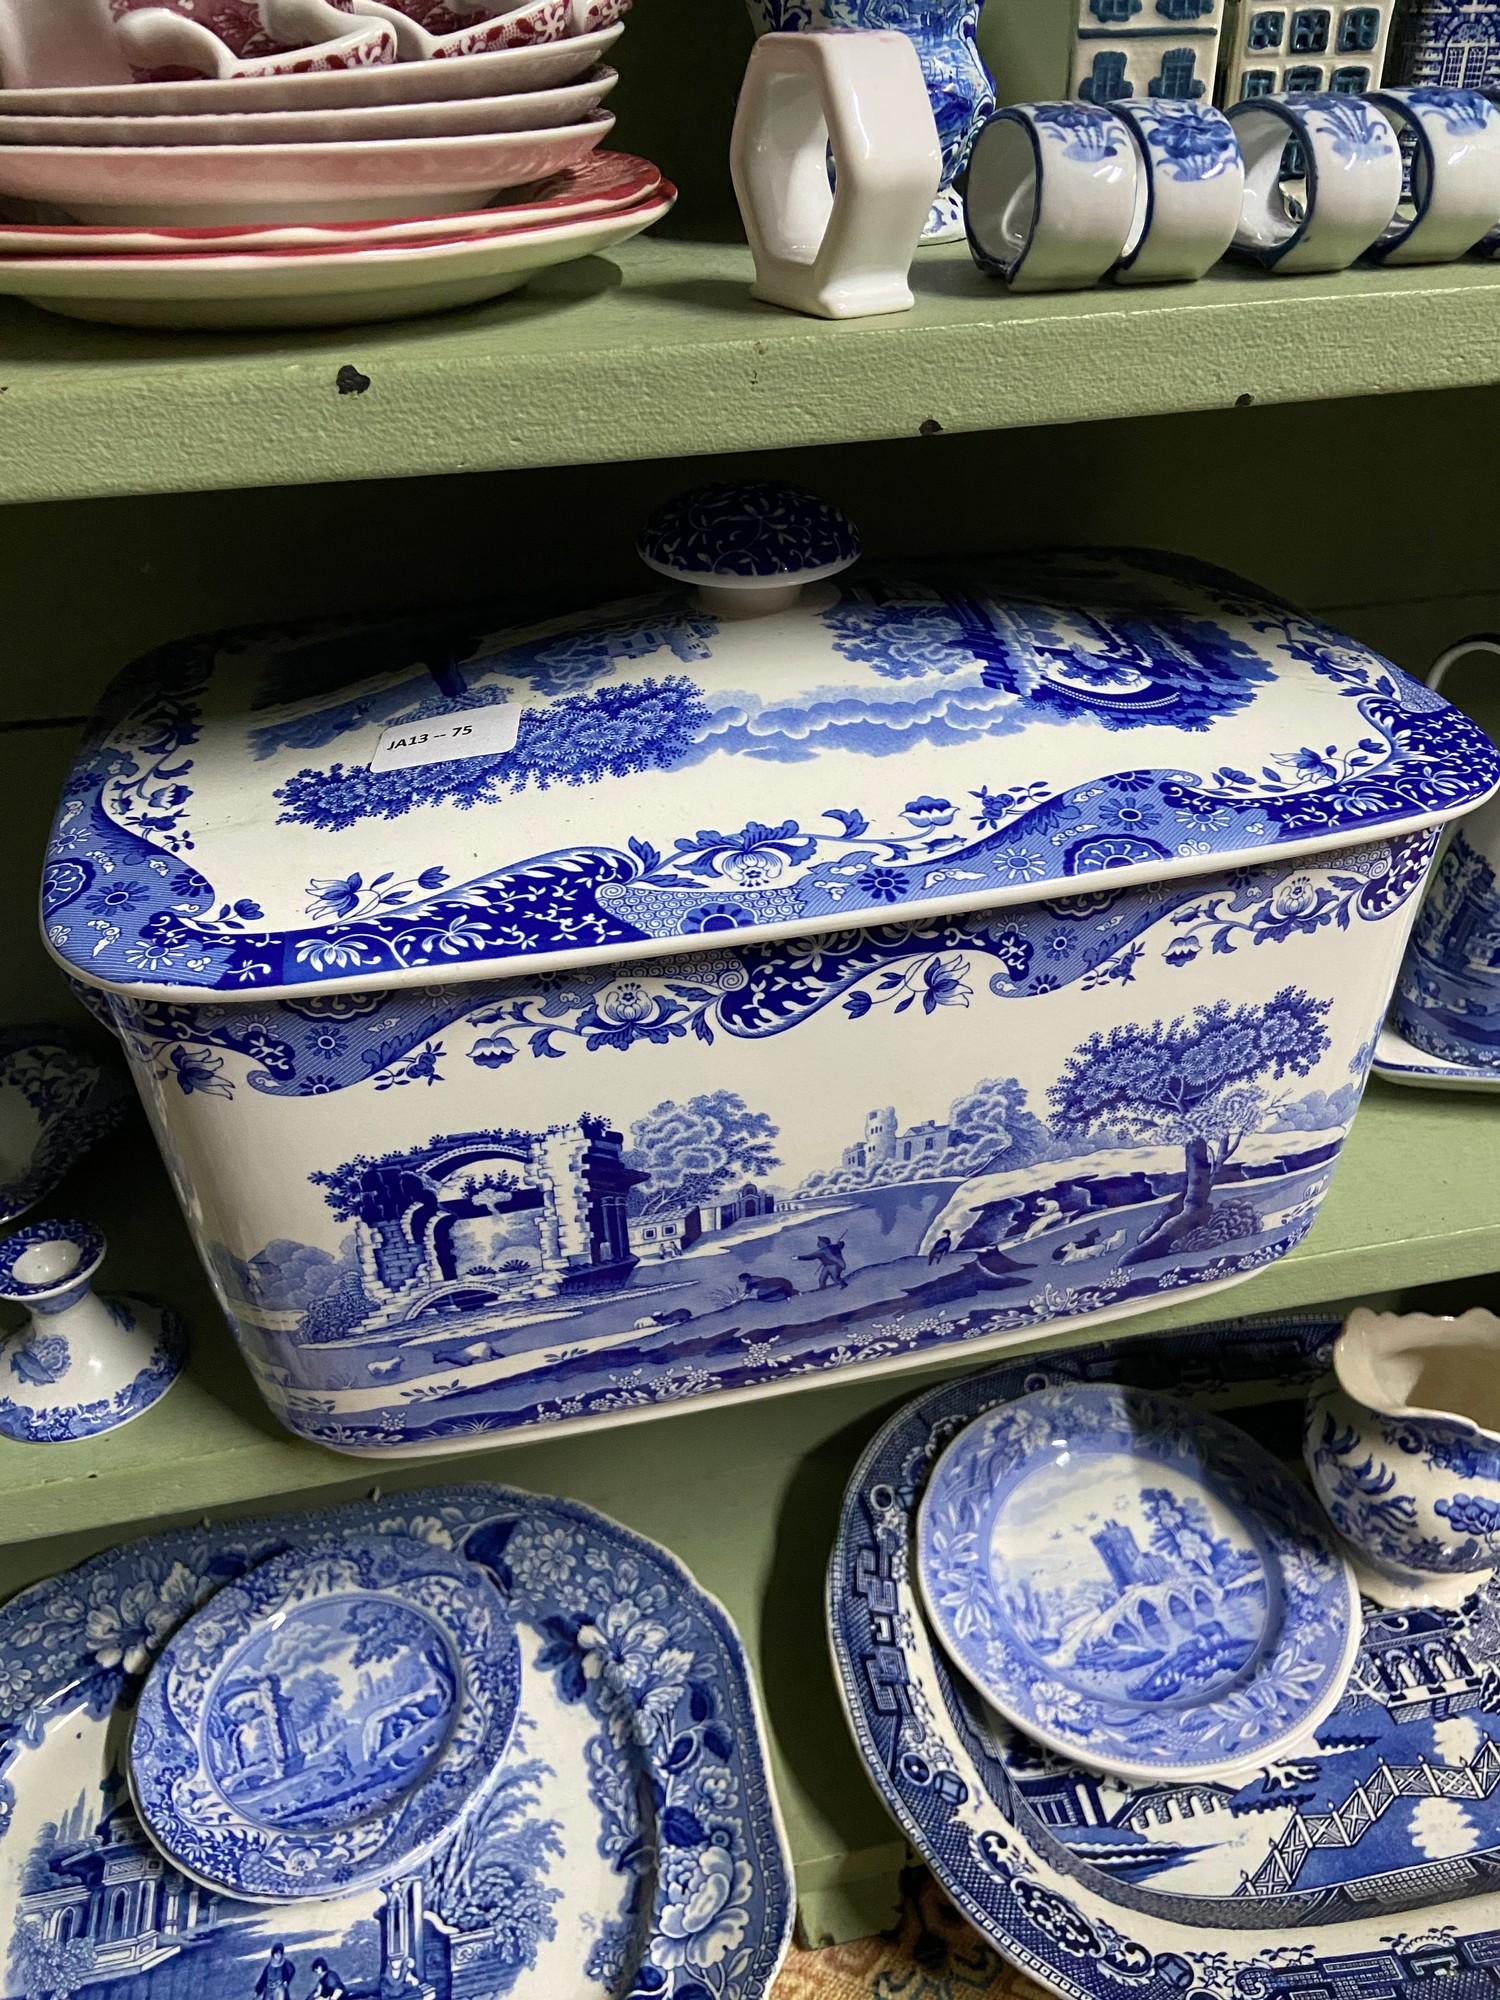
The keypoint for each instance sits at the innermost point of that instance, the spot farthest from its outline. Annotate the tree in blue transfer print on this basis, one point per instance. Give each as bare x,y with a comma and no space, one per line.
49,1970
636,726
1198,1082
696,1150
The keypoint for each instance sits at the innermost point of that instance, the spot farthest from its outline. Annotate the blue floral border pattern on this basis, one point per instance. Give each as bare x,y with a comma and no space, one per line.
1008,1876
123,901
333,1042
628,1635
105,1413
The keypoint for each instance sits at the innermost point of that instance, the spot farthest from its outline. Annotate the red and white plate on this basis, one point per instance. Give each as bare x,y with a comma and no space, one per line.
323,287
209,186
603,185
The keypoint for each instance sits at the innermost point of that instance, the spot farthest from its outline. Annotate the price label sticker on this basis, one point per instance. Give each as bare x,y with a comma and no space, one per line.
444,739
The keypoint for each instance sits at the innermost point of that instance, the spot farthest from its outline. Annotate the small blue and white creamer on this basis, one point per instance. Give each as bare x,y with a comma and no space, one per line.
787,973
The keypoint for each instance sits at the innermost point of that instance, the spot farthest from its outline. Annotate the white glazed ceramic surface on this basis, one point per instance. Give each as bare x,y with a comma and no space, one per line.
1455,174
825,1041
1400,1061
605,184
540,68
1447,998
344,286
1353,180
246,27
1404,1452
1189,188
483,34
526,111
207,185
843,252
160,40
1051,195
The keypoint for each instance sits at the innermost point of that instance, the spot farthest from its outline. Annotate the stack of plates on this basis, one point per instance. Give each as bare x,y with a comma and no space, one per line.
404,165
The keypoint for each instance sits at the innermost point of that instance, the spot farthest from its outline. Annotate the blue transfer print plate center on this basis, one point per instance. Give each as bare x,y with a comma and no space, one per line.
1135,1584
326,1719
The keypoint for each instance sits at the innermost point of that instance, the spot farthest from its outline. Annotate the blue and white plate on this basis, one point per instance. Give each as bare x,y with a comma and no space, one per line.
1135,1583
628,1844
326,1719
1399,1061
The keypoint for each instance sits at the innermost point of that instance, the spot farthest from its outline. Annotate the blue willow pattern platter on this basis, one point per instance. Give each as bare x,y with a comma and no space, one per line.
324,1722
1291,1881
1398,1062
1136,1583
57,1099
629,1848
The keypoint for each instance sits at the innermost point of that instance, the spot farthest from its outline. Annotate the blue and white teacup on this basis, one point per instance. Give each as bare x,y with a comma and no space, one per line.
1454,198
1189,190
1350,192
1051,195
1448,993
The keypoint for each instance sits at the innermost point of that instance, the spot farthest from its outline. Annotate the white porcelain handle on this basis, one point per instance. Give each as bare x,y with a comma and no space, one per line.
844,251
156,38
1477,642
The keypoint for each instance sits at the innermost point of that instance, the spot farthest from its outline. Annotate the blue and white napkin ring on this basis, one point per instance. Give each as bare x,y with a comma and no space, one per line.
1189,189
1455,174
1051,196
1352,168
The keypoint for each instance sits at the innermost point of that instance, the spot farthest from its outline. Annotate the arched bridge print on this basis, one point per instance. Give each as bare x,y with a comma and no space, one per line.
556,1200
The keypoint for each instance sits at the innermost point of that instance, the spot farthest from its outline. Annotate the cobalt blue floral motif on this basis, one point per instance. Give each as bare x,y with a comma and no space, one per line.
945,668
83,1246
1357,129
1108,1886
1448,994
649,1837
1122,1575
43,1363
1186,142
748,529
1463,112
332,1716
1083,133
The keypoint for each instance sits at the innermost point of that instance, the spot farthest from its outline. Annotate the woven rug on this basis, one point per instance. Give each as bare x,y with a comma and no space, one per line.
932,1954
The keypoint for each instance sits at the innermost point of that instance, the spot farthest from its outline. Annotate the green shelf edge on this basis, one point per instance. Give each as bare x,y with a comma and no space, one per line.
661,353
747,1494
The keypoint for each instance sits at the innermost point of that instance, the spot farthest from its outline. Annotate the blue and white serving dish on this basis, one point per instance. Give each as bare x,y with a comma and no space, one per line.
1135,1583
325,1721
1366,1866
1397,1061
82,1363
57,1099
747,985
629,1844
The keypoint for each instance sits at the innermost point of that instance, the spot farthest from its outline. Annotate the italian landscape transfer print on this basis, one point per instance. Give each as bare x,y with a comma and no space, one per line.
1364,1863
627,1848
896,1065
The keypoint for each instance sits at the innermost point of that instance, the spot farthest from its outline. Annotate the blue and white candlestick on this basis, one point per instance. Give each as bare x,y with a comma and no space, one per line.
83,1363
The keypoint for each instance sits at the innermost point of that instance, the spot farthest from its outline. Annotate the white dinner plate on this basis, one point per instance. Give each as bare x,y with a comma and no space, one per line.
340,287
521,111
1398,1061
603,185
493,75
382,180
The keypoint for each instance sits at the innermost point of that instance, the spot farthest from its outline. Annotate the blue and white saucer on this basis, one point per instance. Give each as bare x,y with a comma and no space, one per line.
1398,1061
1135,1583
326,1720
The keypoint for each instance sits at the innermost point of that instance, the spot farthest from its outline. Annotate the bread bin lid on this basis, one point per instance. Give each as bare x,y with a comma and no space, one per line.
769,747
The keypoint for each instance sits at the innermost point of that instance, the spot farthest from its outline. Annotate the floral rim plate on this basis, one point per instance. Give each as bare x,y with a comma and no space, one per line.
57,1099
1399,1062
630,1844
1051,1886
326,1719
1135,1583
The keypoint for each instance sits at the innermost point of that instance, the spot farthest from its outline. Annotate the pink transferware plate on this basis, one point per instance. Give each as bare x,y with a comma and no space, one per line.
603,185
497,75
523,111
479,33
338,287
378,180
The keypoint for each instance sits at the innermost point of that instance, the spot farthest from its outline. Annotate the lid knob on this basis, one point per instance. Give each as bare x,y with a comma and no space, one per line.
749,546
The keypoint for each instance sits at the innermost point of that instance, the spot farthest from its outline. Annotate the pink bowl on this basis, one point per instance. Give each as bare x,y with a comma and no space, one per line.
248,27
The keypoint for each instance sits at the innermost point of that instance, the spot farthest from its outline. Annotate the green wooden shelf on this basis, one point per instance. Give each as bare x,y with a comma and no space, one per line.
661,353
747,1495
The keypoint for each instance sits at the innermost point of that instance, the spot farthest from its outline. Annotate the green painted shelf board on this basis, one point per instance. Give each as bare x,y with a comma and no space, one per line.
747,1495
661,353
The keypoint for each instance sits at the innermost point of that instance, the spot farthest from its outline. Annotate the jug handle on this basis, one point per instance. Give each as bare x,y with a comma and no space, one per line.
1477,642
